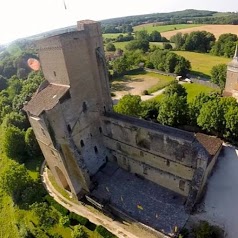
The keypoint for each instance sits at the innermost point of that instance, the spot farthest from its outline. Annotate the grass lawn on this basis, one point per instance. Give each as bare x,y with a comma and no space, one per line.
112,35
193,89
120,45
161,44
163,82
202,63
163,28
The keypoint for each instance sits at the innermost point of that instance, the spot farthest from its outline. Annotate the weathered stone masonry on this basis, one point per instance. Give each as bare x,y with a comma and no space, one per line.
72,117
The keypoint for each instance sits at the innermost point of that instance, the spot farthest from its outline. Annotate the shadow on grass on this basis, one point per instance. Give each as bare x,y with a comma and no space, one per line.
199,74
120,87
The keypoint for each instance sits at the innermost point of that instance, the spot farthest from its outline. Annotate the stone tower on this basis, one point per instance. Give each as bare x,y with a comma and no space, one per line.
231,88
78,132
65,111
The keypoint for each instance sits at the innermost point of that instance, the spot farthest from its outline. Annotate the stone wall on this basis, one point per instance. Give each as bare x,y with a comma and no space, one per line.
164,155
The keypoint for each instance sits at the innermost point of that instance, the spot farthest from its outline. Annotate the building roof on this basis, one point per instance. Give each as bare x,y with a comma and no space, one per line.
45,99
210,143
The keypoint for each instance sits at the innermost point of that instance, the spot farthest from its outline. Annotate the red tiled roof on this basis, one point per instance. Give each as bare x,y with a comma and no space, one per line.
45,99
210,143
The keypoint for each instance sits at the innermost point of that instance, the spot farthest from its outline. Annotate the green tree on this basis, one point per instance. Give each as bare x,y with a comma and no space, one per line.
78,232
173,110
138,45
14,179
178,40
155,36
182,67
64,221
218,75
175,88
14,143
110,47
15,119
46,215
3,83
195,107
225,45
170,62
231,118
120,65
211,117
129,105
199,41
32,146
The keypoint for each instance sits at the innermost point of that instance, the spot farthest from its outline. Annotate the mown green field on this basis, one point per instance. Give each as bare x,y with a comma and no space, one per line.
120,45
111,35
163,28
202,63
193,89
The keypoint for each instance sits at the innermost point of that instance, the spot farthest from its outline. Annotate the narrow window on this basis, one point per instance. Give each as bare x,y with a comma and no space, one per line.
84,107
69,128
54,73
82,143
168,163
114,158
141,154
95,149
100,129
43,132
182,185
145,170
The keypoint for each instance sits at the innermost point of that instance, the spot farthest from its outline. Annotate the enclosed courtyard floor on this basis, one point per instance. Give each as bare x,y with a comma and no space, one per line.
144,201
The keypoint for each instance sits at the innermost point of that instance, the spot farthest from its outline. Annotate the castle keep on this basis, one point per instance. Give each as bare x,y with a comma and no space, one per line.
81,137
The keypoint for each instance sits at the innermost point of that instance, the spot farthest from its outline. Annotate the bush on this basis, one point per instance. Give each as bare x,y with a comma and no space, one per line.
56,205
205,230
80,219
104,232
91,226
145,92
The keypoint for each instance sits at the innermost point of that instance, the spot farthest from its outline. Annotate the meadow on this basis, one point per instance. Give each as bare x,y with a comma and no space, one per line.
163,28
202,63
193,90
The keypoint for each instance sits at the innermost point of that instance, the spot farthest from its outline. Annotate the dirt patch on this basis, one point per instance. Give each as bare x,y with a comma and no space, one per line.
133,85
217,30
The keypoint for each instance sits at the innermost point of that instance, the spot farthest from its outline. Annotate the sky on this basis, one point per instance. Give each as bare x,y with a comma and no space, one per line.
21,18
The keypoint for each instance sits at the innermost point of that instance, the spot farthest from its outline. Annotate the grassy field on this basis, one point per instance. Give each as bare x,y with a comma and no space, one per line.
111,35
193,89
163,28
202,63
163,82
120,45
